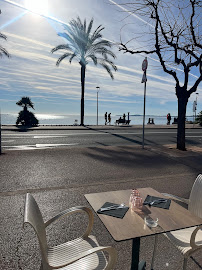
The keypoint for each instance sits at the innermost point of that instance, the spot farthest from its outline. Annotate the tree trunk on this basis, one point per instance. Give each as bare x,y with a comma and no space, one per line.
83,71
182,105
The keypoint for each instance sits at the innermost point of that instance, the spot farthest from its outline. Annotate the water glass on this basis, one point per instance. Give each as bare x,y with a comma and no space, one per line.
151,222
137,204
134,193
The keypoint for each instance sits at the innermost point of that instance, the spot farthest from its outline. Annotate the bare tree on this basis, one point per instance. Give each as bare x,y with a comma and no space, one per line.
175,26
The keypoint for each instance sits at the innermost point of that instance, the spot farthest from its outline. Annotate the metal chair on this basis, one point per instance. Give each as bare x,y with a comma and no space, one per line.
82,253
189,240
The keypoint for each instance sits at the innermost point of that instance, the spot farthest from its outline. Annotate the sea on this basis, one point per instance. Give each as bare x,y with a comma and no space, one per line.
55,119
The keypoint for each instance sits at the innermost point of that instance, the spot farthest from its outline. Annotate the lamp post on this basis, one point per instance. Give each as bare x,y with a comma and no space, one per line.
98,89
196,105
144,80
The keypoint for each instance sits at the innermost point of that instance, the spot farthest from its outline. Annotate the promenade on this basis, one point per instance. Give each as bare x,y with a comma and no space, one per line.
101,127
59,178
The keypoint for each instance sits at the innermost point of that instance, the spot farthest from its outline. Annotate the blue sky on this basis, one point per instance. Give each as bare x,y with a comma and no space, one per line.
31,70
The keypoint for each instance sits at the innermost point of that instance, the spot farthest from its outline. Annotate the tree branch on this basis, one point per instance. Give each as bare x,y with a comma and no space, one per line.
158,49
126,50
193,2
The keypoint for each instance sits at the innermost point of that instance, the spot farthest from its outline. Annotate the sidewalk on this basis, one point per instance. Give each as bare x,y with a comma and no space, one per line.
99,127
59,178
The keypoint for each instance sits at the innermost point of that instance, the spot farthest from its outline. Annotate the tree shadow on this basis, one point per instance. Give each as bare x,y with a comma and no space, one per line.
23,128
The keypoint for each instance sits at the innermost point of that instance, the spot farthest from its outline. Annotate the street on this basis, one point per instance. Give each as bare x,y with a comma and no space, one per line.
71,163
38,139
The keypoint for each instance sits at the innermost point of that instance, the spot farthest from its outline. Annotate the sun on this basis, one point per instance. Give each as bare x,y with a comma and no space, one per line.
38,6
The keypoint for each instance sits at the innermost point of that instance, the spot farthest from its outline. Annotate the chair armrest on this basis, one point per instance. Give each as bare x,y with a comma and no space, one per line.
174,197
193,236
110,250
75,210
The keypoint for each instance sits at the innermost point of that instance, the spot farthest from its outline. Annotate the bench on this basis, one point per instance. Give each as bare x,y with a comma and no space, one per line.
122,121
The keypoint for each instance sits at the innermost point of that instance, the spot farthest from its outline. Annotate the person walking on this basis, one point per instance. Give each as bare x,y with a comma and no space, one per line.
168,118
109,118
105,118
124,117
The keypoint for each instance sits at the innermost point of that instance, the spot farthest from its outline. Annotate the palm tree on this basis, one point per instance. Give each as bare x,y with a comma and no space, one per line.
3,51
86,46
25,117
25,102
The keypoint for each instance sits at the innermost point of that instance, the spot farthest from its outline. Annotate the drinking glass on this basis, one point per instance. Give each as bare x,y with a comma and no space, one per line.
134,193
151,222
137,204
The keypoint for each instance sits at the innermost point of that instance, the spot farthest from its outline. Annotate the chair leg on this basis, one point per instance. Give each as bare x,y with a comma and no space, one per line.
185,263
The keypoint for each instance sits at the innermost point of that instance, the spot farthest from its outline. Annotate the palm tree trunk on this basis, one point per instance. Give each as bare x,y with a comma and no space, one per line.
83,71
182,105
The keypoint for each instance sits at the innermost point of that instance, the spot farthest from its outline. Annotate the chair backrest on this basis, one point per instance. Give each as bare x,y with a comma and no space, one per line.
195,198
33,216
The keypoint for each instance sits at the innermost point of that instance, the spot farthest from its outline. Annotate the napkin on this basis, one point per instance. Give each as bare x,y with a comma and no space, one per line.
118,213
164,205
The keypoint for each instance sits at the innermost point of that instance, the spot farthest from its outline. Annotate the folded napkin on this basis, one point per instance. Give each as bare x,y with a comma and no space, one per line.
118,213
164,205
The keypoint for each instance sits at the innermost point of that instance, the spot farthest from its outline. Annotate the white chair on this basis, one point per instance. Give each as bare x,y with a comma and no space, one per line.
189,240
83,253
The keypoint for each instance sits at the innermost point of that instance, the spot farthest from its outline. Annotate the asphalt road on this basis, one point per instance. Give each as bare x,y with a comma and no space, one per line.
41,139
59,177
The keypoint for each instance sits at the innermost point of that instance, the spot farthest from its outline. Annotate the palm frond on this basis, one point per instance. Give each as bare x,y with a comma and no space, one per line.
105,66
25,102
62,57
3,51
84,26
108,62
97,34
71,58
65,35
61,47
94,58
3,36
90,27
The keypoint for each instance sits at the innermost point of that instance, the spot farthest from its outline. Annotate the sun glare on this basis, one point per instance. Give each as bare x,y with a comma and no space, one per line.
38,6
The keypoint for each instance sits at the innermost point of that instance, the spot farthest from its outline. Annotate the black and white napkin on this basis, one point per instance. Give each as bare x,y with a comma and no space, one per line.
118,213
164,205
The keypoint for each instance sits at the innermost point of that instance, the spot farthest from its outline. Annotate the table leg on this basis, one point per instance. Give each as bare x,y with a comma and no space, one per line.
135,264
154,251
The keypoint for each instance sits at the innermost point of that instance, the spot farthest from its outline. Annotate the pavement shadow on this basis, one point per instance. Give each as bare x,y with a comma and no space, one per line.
130,157
22,129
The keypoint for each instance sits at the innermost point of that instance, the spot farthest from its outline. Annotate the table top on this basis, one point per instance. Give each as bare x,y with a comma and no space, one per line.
133,225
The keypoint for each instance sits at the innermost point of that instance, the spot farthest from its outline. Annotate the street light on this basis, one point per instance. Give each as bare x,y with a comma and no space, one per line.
98,89
196,105
144,80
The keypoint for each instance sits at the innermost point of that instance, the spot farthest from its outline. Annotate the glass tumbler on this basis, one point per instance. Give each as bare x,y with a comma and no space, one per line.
137,204
134,193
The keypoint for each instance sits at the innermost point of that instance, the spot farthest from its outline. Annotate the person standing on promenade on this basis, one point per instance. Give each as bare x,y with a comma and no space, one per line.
105,118
124,117
168,118
109,118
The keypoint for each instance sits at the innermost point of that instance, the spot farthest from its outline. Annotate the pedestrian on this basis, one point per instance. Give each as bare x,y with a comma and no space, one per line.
124,117
105,118
109,118
168,118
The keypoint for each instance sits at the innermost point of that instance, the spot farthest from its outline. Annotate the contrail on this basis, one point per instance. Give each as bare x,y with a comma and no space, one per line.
63,23
131,13
137,17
